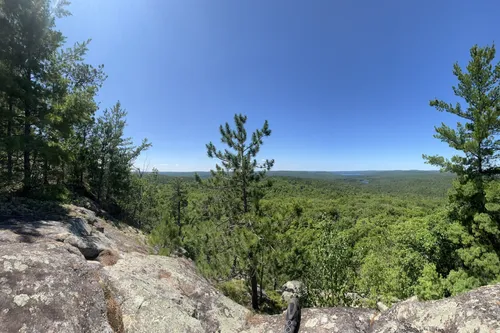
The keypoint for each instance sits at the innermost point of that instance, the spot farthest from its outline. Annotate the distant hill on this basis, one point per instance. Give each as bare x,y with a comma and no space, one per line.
320,174
397,182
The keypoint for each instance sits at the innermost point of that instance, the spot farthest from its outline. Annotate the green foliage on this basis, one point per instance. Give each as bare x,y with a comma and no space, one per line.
459,281
274,304
331,273
111,156
55,192
430,284
473,200
21,207
50,137
163,238
375,244
237,290
236,180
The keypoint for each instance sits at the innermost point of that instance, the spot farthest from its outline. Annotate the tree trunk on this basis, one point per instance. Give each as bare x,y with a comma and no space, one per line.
27,142
253,280
99,186
179,217
63,172
26,152
9,138
245,199
45,171
261,278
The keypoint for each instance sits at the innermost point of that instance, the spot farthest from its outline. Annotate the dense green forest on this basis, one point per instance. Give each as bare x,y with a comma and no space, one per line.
382,235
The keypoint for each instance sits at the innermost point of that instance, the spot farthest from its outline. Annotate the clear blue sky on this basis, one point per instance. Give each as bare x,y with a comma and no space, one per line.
344,84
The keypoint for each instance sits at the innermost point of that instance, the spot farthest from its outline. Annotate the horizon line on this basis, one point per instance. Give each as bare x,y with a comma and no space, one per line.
348,171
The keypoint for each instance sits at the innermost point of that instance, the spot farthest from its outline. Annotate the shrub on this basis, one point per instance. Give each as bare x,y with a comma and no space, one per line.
430,284
237,290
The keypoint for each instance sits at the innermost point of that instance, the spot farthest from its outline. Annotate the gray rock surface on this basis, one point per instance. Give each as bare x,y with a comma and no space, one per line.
163,294
75,232
318,320
78,229
291,289
48,287
382,307
477,311
123,237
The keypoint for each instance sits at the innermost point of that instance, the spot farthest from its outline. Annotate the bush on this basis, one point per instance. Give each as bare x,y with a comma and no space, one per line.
459,281
237,290
58,193
164,238
430,284
274,303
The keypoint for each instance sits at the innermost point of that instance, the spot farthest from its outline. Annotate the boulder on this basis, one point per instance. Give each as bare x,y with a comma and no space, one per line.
48,287
164,294
75,232
124,237
477,311
382,307
291,289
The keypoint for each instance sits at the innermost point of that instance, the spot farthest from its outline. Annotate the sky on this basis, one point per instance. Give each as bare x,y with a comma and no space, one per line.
345,84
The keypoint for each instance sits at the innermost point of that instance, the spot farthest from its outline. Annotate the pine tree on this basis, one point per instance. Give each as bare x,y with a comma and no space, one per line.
29,40
237,176
111,155
68,125
473,202
238,166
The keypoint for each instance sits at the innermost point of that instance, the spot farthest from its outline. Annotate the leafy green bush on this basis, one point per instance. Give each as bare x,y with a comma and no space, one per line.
58,193
237,290
164,238
330,275
274,304
430,284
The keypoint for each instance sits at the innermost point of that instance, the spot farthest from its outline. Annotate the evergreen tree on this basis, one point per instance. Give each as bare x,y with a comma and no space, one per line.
74,116
238,169
46,93
29,41
473,212
112,155
238,175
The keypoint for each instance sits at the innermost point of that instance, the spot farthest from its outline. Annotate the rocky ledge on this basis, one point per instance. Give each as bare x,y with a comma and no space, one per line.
82,273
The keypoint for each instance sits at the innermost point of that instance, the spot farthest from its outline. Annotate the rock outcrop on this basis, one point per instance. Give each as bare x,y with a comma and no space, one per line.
477,311
47,283
162,294
79,228
81,273
49,287
320,320
291,289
